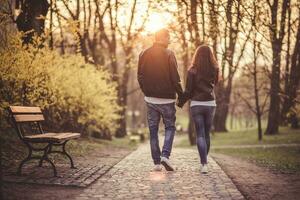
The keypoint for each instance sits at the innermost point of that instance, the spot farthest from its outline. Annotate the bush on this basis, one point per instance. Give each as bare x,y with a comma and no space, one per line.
74,95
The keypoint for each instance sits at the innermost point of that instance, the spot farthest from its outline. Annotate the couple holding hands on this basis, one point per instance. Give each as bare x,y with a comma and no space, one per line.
160,82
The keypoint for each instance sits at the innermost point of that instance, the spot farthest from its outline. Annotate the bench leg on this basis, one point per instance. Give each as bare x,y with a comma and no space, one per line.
62,152
29,157
44,156
53,166
70,158
19,172
47,150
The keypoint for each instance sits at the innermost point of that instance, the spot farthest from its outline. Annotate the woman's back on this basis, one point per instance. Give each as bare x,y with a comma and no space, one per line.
202,77
203,84
203,74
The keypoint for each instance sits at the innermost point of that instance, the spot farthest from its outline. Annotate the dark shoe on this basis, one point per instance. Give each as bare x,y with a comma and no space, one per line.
166,163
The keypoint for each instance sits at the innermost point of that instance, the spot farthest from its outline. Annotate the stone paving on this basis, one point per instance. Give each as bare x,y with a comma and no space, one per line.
132,178
82,176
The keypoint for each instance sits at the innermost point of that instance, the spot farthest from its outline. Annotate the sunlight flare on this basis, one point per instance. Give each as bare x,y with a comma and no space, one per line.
157,176
157,21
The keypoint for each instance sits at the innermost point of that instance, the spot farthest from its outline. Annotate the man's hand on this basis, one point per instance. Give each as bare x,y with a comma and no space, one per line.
179,103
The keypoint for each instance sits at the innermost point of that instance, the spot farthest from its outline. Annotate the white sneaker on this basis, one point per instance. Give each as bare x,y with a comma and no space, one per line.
166,163
204,169
157,168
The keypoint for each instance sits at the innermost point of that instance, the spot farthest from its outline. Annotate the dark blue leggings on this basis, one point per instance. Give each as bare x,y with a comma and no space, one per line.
203,119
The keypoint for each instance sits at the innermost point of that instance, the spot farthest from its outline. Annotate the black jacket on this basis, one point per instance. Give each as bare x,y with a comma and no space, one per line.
199,87
157,73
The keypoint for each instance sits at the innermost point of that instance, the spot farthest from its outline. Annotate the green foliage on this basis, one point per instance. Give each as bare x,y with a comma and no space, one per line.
74,94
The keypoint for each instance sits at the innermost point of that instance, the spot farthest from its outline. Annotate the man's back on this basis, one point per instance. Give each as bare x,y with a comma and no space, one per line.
157,72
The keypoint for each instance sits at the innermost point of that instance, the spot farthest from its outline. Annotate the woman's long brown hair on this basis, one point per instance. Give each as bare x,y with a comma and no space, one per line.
205,63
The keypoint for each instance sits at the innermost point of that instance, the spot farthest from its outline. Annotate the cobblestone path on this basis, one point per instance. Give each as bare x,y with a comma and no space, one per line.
132,178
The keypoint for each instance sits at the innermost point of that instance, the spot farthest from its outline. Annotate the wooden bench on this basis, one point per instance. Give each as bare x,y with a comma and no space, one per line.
32,116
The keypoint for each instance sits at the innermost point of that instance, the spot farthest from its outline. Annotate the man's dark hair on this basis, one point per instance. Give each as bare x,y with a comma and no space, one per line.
162,33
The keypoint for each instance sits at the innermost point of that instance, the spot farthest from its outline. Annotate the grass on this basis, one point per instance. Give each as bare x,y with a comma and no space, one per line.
249,137
286,159
183,120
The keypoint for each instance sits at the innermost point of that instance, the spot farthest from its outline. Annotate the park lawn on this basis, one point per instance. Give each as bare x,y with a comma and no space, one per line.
284,159
249,137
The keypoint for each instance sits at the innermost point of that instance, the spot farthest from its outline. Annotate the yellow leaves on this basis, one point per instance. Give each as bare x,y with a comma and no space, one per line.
58,82
72,25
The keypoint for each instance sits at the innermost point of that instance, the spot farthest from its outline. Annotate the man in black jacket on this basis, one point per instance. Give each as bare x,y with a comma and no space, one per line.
160,82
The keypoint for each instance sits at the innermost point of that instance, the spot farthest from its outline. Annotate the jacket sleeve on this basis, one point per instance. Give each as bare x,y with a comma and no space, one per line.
217,77
140,75
188,89
175,78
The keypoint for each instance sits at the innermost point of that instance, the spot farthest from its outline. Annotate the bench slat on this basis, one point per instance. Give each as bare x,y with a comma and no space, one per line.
25,109
52,137
29,118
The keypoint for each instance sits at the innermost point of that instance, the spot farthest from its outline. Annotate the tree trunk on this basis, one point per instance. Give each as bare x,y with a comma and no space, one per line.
202,7
122,101
220,118
51,26
196,39
223,91
29,19
122,97
222,109
274,110
283,117
294,121
213,25
62,46
294,78
121,131
1,167
191,130
276,38
231,116
256,93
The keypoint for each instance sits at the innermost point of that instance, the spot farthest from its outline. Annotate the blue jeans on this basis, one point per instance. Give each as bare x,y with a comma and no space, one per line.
154,113
203,119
